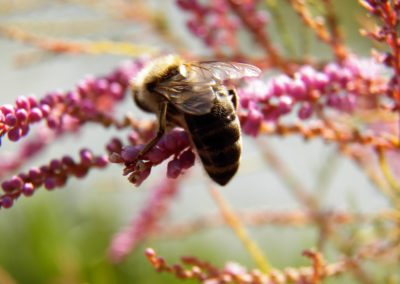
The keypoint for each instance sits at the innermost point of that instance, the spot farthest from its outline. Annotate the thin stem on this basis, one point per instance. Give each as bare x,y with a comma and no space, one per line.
317,26
63,46
257,219
293,184
370,171
336,38
260,36
281,26
394,184
233,221
301,194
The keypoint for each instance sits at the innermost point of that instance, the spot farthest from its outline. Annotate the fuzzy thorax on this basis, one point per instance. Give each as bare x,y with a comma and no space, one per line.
155,70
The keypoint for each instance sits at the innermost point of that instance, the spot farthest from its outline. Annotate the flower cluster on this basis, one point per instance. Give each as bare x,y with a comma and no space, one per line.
215,25
388,12
336,86
93,100
28,150
233,272
176,144
339,87
54,174
210,22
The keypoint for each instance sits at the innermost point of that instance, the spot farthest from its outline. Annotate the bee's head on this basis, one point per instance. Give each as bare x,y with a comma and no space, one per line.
140,97
135,88
159,69
140,93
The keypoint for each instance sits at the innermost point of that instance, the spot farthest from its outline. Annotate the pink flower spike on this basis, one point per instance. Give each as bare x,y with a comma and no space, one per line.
115,145
49,183
174,168
22,103
101,85
182,139
307,74
186,159
116,90
332,70
137,177
35,115
6,109
285,104
45,109
115,158
72,98
32,101
53,122
297,89
16,183
68,161
169,141
56,165
253,122
7,186
14,134
156,155
101,161
28,189
133,137
21,115
280,85
305,111
155,208
130,153
86,157
121,243
6,201
344,77
34,174
321,81
10,120
24,130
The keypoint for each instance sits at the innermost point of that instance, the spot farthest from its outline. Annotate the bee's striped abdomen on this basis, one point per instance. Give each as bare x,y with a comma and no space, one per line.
216,136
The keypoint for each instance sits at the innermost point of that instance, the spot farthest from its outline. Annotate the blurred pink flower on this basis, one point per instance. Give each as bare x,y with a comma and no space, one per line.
173,144
338,87
155,208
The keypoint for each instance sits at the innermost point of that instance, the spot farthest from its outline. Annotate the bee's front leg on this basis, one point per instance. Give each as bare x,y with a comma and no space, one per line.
160,132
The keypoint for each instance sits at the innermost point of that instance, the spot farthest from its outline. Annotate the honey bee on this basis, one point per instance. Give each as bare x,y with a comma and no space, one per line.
192,95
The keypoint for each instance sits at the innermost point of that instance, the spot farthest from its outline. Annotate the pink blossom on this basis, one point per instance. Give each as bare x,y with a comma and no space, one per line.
332,87
175,143
156,207
54,174
92,100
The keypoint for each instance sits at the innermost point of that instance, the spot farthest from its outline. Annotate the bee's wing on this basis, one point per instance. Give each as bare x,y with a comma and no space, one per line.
192,90
229,70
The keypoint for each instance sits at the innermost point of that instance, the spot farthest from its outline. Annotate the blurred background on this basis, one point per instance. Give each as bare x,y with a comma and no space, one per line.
63,236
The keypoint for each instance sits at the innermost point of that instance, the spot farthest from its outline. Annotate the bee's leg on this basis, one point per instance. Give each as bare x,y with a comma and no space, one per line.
234,97
160,132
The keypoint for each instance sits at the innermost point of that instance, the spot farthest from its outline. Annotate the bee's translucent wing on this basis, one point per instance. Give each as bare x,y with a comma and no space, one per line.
229,70
192,90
